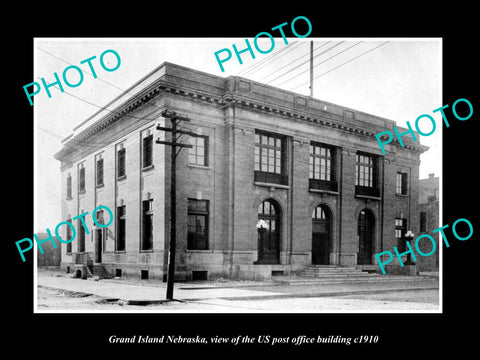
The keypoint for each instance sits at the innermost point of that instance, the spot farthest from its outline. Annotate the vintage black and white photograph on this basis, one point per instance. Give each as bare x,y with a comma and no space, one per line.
271,174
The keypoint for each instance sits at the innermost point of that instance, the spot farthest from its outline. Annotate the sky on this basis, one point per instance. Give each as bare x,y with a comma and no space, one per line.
399,79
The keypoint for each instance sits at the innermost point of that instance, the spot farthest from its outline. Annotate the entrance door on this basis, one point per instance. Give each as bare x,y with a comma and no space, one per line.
366,224
98,245
320,236
268,228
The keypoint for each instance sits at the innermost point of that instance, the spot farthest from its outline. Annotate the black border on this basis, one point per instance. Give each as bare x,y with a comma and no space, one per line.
407,334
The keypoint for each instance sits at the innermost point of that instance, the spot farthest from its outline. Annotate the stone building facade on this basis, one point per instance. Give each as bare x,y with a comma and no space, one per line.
275,181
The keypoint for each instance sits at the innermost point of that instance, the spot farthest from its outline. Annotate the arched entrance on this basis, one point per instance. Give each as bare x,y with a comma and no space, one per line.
321,242
268,228
366,225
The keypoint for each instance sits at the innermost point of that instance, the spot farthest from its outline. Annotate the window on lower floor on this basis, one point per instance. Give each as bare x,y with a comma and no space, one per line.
147,225
69,236
81,236
197,222
423,221
121,223
400,230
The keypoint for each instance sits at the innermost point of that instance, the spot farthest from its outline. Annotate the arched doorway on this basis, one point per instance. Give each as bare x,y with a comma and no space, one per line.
268,228
366,225
321,242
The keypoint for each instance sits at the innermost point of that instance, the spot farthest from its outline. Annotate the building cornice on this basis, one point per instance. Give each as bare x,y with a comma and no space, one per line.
229,95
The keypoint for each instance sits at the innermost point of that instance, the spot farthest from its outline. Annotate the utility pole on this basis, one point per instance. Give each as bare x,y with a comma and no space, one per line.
311,68
173,191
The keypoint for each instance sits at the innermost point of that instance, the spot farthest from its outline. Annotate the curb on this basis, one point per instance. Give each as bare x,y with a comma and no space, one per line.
308,295
260,297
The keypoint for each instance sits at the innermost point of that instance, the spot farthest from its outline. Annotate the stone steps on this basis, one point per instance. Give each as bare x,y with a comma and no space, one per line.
334,274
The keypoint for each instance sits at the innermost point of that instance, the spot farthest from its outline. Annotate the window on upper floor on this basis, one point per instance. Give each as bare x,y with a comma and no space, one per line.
198,153
121,161
81,177
322,167
269,158
366,171
69,186
147,151
401,184
99,170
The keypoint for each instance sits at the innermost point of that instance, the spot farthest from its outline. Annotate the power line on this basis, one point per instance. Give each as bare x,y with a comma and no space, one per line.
221,107
322,62
69,63
303,63
288,64
272,57
342,64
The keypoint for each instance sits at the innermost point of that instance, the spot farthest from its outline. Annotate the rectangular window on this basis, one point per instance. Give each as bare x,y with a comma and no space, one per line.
401,185
69,236
320,162
81,236
69,186
99,170
147,151
197,223
423,221
400,230
268,153
364,170
121,222
198,154
121,158
147,225
269,158
81,177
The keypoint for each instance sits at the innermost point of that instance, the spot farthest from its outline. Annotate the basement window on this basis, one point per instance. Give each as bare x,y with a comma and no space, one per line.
199,275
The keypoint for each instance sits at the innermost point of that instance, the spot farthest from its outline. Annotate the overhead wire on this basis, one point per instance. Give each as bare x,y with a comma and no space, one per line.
271,58
344,63
276,71
303,63
94,144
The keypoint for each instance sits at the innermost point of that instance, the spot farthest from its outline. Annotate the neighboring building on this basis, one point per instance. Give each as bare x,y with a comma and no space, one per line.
275,182
428,210
50,256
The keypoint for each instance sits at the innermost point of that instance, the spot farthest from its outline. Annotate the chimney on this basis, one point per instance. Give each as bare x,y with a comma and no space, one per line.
431,176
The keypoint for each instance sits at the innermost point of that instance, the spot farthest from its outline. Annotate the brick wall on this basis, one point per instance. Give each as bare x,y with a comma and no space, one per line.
228,181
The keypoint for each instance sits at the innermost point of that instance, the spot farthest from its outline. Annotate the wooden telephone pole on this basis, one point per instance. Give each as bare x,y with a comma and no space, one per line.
174,118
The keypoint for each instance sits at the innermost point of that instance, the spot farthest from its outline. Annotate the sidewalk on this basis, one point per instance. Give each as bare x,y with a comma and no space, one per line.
138,293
